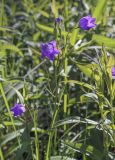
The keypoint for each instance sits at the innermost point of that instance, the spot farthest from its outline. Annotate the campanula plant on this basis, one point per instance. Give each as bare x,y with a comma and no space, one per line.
61,67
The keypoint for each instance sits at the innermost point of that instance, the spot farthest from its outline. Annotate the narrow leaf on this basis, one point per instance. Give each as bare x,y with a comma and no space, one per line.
98,12
108,42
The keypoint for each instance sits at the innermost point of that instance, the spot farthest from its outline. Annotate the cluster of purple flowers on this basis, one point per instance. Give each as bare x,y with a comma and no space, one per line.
50,50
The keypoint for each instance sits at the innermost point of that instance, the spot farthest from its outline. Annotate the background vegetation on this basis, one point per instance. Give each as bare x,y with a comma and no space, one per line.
70,103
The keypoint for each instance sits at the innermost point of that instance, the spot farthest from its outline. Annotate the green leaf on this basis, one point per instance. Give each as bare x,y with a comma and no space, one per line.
61,158
111,61
74,36
86,149
10,136
98,11
89,70
89,96
110,64
7,29
45,14
4,29
45,28
11,47
54,8
102,40
48,29
15,90
19,95
77,120
83,45
82,84
16,123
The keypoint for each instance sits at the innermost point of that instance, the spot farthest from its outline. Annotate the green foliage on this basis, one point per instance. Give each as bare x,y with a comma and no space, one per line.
101,40
70,102
74,36
99,9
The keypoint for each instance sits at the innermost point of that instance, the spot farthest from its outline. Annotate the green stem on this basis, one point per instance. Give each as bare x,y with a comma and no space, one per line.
51,135
36,136
65,79
1,154
2,13
52,126
65,59
35,68
111,102
105,138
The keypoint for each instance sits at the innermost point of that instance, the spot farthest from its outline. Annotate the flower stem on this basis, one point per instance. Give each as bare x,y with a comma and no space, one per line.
36,136
65,77
1,154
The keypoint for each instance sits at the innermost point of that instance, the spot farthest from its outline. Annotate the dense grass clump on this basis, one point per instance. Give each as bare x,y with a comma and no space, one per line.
57,80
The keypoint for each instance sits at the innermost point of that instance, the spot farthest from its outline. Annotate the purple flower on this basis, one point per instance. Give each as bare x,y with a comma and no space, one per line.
58,20
113,72
17,110
49,50
87,22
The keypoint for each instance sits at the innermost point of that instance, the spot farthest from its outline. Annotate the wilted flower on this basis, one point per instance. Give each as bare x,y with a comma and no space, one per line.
17,110
49,50
58,20
113,72
87,22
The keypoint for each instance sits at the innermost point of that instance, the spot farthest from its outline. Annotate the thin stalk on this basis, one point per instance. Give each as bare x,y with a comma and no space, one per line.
51,135
56,97
2,13
52,126
36,136
66,11
65,59
111,102
104,133
1,155
35,68
65,80
84,155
